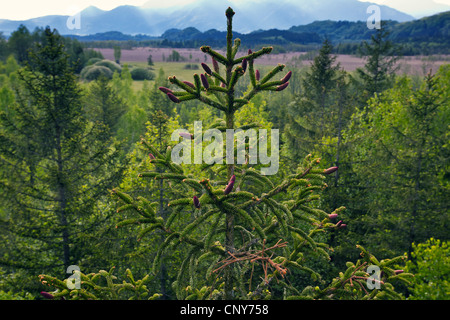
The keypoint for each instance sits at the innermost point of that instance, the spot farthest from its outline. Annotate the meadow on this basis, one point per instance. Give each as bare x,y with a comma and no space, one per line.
411,65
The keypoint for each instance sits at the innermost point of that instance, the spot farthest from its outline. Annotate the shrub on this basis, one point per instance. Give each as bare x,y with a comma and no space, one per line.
142,74
431,267
94,72
92,61
84,71
10,295
191,66
111,65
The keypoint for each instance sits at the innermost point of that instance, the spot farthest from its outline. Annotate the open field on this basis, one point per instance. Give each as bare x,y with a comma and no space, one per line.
414,65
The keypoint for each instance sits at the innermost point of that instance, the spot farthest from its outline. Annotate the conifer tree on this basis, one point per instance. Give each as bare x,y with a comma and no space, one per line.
55,164
102,104
317,113
378,73
117,53
20,42
398,150
236,225
241,217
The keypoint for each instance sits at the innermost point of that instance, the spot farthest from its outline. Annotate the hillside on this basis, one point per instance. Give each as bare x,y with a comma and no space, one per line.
423,36
206,15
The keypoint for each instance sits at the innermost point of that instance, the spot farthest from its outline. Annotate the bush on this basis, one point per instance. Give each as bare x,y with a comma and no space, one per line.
431,267
84,71
111,65
142,74
191,66
15,296
94,72
92,61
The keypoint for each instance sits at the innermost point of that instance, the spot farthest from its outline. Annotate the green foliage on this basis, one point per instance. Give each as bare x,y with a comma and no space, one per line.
113,66
379,70
142,74
399,151
361,282
318,114
10,66
92,54
98,286
4,50
423,36
117,53
102,104
96,67
14,296
20,42
278,221
191,66
270,237
430,264
150,60
55,165
95,72
92,61
175,57
310,114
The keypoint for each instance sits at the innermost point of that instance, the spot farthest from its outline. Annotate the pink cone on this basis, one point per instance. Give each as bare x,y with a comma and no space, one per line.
230,185
330,170
206,68
196,202
287,77
47,295
204,81
190,84
165,90
282,87
173,98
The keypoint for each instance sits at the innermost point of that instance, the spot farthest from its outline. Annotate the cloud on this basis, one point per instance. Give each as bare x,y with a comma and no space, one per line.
26,9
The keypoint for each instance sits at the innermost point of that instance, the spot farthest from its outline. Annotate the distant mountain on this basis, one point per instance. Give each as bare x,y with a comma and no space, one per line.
207,14
341,31
435,28
423,36
272,36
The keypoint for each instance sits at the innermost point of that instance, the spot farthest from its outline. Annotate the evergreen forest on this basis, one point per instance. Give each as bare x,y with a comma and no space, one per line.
94,205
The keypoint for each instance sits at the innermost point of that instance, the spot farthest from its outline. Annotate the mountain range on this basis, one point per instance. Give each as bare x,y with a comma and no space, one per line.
207,14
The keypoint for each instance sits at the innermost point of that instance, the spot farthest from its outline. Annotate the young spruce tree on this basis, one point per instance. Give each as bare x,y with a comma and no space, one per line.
241,226
378,74
55,165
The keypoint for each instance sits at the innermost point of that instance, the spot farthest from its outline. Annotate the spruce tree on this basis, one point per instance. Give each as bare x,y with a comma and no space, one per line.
240,216
241,233
117,54
314,114
399,150
379,70
20,42
102,104
55,164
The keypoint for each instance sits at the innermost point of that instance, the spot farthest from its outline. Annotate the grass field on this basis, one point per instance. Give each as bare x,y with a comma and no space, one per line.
170,69
415,65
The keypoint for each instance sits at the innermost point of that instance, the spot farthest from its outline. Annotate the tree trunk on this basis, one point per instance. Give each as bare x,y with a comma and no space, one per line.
229,226
62,201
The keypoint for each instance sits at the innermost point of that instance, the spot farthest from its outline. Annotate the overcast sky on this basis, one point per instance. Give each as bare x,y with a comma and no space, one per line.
26,9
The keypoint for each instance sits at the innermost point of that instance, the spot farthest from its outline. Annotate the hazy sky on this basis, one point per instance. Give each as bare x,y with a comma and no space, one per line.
26,9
